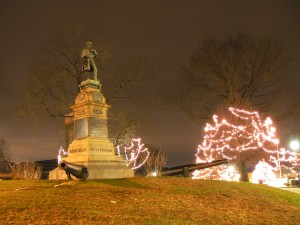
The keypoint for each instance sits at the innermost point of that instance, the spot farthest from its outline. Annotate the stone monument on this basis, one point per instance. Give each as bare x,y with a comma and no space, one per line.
90,145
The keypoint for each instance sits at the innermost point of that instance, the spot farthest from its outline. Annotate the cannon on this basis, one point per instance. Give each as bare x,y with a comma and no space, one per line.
186,169
78,171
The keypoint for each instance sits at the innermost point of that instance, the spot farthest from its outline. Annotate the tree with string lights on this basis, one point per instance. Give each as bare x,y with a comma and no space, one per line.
241,138
135,155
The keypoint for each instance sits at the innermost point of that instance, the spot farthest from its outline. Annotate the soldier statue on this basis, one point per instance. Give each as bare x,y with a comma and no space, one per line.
88,54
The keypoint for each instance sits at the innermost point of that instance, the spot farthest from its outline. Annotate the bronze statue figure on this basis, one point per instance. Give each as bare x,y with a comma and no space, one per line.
88,54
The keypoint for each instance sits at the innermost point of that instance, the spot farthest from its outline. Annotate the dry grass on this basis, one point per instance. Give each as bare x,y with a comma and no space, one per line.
146,201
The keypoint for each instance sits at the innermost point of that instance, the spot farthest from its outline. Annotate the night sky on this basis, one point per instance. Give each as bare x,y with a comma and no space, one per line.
165,32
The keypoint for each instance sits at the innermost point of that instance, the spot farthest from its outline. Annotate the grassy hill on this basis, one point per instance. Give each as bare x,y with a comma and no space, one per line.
145,201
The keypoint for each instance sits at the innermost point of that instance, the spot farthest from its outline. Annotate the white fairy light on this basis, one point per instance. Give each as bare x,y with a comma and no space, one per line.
135,155
263,173
248,133
61,153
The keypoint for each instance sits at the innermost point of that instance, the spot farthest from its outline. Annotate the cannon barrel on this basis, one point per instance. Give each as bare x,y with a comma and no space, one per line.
79,171
192,167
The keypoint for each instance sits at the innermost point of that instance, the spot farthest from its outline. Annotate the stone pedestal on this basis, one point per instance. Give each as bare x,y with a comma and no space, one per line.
90,145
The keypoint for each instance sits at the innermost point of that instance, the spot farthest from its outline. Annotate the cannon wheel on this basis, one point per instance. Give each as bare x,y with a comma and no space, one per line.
72,177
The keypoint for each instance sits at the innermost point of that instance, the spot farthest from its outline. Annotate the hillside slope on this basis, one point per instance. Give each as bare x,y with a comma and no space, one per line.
146,201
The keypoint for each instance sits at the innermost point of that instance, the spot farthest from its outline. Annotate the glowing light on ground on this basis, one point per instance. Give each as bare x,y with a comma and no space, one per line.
61,153
135,155
154,174
263,173
245,133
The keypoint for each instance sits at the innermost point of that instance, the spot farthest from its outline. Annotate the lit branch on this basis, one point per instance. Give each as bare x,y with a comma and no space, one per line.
246,134
135,155
61,153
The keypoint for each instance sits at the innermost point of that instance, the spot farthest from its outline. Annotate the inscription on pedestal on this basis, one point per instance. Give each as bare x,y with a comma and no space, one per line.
81,128
98,127
101,149
77,150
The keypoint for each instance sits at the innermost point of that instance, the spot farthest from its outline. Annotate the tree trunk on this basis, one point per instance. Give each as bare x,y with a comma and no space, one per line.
242,167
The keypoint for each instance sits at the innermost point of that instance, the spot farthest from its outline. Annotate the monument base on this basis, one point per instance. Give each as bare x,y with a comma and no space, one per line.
90,146
97,170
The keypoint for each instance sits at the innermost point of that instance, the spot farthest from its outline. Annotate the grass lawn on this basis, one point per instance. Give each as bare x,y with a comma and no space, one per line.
146,201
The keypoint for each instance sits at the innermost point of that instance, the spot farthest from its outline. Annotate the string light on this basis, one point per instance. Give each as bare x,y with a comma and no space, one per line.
135,155
61,153
230,140
221,172
263,173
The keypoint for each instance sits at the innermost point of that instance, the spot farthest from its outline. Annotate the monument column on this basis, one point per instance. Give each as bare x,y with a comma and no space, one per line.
90,139
90,145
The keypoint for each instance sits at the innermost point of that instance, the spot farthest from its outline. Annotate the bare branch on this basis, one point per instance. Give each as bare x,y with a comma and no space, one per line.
235,71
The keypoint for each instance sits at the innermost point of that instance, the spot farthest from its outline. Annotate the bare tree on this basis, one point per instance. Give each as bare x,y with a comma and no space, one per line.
121,129
4,155
57,75
25,171
238,71
3,150
155,162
